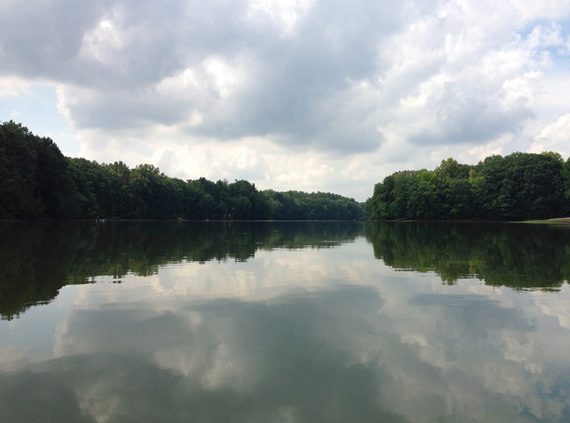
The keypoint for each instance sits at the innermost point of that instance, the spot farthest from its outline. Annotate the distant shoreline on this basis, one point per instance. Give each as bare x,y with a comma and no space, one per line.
549,221
553,221
111,220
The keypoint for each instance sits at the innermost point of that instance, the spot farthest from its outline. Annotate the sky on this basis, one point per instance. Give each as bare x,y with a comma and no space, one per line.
292,94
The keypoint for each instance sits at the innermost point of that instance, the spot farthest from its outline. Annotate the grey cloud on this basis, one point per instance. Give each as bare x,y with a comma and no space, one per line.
121,109
303,96
464,114
42,38
298,89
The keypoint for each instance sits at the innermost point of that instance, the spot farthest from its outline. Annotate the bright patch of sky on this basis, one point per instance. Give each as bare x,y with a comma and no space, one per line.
36,107
312,95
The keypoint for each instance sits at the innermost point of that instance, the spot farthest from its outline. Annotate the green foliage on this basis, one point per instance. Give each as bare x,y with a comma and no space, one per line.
296,205
37,181
34,179
566,183
515,187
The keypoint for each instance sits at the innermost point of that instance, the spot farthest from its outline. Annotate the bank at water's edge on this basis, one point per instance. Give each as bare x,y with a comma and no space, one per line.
554,221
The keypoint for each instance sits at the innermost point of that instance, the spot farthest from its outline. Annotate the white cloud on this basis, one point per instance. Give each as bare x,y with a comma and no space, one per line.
331,84
554,137
13,86
285,13
544,9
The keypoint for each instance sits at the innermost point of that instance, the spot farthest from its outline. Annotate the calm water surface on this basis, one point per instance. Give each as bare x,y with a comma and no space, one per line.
289,322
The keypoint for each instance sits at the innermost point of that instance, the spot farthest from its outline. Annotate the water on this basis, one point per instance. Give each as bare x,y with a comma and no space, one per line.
284,322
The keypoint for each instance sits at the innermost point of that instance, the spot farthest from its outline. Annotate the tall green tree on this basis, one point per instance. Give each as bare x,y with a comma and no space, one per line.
517,186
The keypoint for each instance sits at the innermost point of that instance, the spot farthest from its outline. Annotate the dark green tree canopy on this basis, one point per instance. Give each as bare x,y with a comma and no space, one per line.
37,181
515,187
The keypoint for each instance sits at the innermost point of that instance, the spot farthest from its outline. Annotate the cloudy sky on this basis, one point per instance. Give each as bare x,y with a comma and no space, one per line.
292,94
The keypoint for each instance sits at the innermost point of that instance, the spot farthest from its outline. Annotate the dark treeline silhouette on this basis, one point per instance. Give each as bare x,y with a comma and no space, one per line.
515,187
38,181
37,259
517,256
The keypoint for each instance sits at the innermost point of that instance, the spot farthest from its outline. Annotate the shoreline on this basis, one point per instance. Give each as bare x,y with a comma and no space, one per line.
549,221
552,221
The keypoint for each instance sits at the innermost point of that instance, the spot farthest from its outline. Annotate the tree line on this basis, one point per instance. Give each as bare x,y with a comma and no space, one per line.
38,181
514,187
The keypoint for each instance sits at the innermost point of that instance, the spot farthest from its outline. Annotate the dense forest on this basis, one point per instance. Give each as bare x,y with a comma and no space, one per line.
515,187
38,181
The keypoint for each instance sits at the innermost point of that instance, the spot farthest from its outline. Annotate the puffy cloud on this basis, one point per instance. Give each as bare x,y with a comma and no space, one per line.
383,84
554,137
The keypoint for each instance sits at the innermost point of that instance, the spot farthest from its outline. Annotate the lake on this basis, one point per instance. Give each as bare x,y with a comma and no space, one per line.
284,322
